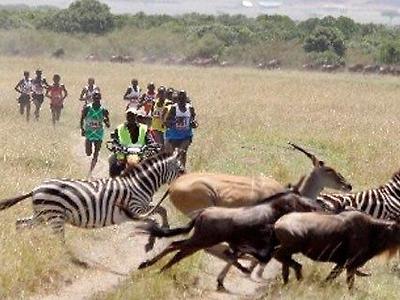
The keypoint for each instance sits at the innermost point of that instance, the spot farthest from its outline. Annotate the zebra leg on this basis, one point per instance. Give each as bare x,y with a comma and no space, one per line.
57,223
163,214
25,223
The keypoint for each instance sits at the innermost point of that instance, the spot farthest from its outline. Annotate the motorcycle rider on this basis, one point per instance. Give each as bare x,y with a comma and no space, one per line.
92,119
129,134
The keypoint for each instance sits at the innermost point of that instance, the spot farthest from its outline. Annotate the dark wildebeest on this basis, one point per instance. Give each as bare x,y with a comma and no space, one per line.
247,230
273,64
369,69
311,66
356,68
59,53
348,239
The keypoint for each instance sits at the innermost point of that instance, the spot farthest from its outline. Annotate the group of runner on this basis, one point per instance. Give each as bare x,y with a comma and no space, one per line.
157,115
164,116
35,90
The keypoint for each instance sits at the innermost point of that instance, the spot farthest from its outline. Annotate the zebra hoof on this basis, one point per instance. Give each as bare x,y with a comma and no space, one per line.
143,265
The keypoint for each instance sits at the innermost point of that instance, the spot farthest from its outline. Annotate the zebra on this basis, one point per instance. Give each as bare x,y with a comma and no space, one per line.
98,203
382,202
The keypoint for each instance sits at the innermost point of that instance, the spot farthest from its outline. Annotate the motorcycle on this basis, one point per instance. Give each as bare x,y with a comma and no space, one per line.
127,157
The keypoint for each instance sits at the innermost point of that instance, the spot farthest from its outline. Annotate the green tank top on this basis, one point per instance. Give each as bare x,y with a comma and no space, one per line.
125,136
94,129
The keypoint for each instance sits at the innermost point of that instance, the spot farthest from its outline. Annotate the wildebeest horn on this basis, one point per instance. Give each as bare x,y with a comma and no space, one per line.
314,159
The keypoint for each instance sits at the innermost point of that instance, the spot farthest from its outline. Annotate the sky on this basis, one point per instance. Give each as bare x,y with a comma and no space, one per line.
360,10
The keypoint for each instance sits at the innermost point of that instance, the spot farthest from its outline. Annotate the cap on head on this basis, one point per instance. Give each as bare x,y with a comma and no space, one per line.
182,95
132,110
162,88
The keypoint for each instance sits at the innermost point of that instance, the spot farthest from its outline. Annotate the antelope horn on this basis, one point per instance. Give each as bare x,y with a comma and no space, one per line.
314,159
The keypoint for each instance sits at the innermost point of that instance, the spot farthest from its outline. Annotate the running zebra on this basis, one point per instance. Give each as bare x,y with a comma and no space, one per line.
382,202
98,203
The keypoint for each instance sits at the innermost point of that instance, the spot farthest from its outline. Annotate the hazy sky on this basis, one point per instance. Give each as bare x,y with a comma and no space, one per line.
360,10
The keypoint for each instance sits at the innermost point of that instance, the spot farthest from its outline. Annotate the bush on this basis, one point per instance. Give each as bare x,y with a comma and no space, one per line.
325,39
390,52
327,57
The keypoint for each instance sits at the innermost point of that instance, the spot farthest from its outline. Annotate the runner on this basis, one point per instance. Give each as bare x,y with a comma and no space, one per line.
39,84
88,91
24,87
57,94
180,121
159,110
92,119
147,99
132,94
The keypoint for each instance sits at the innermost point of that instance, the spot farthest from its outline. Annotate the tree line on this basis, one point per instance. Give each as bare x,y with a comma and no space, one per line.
230,37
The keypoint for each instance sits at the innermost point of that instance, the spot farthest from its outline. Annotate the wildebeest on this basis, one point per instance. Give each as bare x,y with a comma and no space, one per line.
311,66
59,53
273,64
356,68
121,59
247,230
330,67
371,69
348,239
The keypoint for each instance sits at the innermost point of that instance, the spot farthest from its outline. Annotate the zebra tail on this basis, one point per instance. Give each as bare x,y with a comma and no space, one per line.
151,211
157,231
6,203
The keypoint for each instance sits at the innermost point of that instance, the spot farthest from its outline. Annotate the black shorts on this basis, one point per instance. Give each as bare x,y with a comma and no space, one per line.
38,98
23,99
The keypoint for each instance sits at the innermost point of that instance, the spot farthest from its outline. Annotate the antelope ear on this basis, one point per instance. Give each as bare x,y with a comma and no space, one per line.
321,163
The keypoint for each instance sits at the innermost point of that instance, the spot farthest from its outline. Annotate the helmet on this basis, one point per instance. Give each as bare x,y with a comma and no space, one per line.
132,110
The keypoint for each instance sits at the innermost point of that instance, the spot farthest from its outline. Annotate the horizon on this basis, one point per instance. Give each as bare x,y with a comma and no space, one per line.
362,11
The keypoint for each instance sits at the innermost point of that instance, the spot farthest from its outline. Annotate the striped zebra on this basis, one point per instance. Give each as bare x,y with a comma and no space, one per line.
97,203
382,202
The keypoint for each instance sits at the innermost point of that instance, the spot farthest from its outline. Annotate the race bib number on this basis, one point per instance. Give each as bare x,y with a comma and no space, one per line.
182,123
95,124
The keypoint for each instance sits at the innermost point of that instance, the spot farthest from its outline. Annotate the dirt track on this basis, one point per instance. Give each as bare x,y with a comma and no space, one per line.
110,262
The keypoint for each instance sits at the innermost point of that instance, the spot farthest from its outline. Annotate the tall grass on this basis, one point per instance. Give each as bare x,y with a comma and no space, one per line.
246,117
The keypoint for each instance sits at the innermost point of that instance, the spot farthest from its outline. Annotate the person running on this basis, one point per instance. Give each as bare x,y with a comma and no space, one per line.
39,84
159,110
24,87
147,99
88,91
92,119
132,94
57,94
131,133
180,121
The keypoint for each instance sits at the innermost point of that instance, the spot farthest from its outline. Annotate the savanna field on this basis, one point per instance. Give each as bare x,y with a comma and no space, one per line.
245,119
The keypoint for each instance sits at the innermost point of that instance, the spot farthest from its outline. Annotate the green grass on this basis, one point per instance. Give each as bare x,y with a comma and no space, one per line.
246,117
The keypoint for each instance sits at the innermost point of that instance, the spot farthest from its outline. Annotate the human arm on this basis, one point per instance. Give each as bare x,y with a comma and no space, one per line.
65,92
193,121
82,97
128,91
47,93
18,87
83,116
169,119
106,118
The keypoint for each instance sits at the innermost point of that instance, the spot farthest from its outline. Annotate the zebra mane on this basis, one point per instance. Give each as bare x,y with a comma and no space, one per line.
145,164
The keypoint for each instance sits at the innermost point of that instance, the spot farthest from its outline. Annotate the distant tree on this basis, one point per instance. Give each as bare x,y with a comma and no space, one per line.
323,39
390,52
88,16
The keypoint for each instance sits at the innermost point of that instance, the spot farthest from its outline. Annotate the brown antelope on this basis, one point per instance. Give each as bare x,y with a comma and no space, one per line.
348,239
